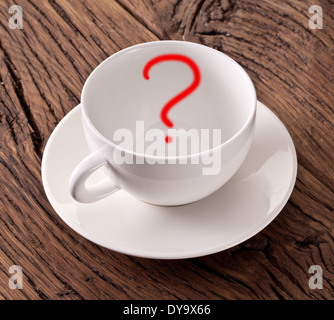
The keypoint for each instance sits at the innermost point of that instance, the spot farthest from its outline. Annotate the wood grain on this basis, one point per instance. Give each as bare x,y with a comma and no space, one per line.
43,69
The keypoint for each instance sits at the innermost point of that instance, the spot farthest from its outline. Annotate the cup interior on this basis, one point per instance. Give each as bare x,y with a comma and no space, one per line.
116,95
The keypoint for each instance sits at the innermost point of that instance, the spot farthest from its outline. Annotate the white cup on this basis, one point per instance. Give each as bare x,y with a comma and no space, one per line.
117,97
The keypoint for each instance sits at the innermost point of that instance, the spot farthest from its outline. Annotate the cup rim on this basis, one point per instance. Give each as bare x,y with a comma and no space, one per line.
157,157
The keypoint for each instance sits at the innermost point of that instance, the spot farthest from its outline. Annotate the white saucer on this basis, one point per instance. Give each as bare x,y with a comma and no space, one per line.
240,209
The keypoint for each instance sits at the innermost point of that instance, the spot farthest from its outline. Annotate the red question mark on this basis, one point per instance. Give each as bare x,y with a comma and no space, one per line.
170,104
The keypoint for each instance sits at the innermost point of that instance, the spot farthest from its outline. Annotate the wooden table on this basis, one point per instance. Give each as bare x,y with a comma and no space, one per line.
43,69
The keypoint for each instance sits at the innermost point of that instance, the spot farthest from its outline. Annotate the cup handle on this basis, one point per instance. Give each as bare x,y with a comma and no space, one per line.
80,174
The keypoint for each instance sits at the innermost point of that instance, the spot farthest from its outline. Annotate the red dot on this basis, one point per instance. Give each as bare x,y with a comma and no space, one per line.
168,139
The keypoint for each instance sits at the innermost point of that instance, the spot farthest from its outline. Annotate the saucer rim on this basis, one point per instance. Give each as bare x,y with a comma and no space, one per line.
167,255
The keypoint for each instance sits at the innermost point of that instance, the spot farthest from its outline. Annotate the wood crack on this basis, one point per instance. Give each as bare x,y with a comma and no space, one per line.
62,13
142,21
36,135
230,279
